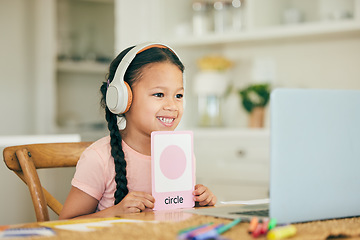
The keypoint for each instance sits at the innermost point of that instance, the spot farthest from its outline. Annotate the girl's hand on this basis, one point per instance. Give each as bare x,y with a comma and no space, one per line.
203,196
135,202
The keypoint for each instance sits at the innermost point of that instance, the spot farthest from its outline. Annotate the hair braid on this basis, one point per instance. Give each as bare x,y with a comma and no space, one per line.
117,153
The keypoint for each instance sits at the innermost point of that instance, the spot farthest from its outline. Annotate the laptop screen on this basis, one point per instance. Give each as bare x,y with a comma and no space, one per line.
315,154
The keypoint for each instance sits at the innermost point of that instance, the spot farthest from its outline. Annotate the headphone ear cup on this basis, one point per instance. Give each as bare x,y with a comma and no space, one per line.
130,97
119,98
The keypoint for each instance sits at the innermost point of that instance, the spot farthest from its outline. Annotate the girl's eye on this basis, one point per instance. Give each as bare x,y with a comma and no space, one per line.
179,96
158,95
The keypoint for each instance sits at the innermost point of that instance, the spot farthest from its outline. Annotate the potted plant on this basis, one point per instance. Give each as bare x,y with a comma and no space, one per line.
254,99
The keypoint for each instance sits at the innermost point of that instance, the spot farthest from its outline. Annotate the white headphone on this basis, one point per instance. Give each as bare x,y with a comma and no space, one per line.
119,95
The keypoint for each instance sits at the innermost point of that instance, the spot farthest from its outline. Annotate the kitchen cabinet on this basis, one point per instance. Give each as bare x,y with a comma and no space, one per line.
174,21
234,164
265,21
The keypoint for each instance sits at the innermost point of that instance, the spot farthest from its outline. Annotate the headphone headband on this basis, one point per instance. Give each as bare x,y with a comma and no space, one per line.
152,46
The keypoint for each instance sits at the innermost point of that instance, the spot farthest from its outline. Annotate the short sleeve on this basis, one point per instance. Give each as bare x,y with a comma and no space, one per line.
90,174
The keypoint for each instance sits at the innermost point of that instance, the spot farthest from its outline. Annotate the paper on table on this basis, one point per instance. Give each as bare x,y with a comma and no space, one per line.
88,225
26,232
249,202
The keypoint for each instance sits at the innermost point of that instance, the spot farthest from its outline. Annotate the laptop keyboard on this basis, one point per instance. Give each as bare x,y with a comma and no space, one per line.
262,213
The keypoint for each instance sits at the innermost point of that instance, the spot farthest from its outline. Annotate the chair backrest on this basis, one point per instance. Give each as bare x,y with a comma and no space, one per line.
23,160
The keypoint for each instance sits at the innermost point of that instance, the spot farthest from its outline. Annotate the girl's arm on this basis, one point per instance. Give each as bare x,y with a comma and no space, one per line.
78,204
81,205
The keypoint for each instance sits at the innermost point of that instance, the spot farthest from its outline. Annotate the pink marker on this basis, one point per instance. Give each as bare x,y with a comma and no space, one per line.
257,231
265,225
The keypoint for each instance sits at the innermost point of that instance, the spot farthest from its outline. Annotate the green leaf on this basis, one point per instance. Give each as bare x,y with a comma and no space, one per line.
262,92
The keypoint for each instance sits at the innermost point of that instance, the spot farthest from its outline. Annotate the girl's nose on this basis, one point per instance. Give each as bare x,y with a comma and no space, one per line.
170,104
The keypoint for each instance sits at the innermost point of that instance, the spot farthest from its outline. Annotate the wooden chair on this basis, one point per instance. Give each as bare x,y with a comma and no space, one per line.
23,160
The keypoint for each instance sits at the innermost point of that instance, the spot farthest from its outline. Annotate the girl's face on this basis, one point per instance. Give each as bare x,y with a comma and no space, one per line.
157,100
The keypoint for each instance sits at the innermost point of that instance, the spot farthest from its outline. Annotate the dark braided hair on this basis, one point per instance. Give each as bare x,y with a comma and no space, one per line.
132,74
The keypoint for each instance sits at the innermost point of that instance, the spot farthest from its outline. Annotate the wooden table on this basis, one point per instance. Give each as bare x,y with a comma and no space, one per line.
168,223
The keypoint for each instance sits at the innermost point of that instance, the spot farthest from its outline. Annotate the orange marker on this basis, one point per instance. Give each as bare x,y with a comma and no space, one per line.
253,224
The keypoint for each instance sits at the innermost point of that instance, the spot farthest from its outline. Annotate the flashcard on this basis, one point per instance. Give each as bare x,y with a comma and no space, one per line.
172,169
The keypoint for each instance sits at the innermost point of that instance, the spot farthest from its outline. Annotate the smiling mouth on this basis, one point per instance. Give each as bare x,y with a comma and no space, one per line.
166,120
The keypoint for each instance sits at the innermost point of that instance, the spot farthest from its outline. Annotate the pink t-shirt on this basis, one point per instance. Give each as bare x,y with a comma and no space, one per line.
95,172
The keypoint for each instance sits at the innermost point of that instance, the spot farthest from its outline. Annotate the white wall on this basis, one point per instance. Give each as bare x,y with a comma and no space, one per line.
25,83
16,82
27,66
16,101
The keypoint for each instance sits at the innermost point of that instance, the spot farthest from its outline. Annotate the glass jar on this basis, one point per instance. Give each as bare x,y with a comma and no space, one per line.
200,19
210,87
237,18
222,16
209,110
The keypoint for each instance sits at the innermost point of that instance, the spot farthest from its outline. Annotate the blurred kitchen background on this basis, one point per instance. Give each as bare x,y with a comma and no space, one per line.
56,53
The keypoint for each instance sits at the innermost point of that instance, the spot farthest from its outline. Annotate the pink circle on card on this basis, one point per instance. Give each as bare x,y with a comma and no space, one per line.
172,162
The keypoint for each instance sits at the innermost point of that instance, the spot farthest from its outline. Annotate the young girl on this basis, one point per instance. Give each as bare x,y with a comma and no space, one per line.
144,90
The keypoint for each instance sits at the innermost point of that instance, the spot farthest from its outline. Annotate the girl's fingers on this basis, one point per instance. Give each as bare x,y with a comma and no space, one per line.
206,201
201,197
204,196
133,210
199,189
139,201
213,201
143,195
210,201
148,204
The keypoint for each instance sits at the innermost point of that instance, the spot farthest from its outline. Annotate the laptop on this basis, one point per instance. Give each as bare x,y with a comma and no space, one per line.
314,158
